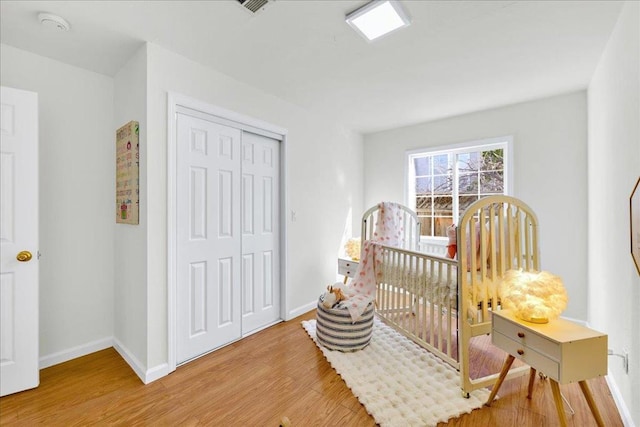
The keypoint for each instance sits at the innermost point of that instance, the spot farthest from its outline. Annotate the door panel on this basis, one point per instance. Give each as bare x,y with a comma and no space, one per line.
208,236
18,232
260,231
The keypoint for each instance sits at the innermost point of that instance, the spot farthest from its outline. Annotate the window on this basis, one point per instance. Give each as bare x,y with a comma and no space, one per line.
443,182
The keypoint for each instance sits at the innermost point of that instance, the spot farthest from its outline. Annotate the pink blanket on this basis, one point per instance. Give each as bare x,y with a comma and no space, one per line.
389,228
388,231
362,288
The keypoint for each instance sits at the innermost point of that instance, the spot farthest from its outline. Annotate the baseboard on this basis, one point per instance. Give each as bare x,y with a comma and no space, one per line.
156,373
74,352
131,360
146,375
301,310
620,403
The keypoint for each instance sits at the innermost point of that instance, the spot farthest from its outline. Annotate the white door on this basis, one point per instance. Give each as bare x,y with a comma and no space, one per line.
260,232
208,236
18,241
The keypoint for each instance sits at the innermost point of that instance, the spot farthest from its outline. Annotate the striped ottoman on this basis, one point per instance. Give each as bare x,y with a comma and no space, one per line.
335,330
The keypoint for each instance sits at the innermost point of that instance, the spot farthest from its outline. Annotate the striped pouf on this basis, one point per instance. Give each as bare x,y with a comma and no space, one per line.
335,329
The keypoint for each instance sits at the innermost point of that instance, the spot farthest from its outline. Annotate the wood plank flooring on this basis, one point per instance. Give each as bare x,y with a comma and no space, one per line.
255,382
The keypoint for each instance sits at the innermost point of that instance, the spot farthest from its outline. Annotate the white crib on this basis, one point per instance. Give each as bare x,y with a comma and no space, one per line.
442,303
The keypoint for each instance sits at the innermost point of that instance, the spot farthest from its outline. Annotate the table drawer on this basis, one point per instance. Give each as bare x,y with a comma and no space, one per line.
527,338
531,357
347,267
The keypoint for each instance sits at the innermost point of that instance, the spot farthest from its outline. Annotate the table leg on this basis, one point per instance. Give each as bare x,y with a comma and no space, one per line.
591,402
557,397
503,374
532,377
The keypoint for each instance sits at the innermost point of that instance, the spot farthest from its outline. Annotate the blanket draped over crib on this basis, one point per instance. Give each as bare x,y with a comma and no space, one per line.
389,228
389,231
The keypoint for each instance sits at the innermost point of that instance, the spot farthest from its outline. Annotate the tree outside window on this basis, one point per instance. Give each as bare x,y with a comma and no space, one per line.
443,183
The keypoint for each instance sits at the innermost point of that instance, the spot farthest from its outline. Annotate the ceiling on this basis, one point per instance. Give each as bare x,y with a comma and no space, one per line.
456,57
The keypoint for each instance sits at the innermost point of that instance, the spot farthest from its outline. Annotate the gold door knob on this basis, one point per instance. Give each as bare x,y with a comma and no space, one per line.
24,256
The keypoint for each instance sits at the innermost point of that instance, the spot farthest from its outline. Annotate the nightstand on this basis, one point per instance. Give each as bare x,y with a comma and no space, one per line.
564,351
347,267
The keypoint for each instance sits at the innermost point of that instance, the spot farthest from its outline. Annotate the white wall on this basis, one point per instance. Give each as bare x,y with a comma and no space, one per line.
324,182
104,283
130,276
76,201
550,173
614,167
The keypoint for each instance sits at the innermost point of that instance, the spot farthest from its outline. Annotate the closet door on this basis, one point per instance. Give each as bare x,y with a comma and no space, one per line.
260,232
208,236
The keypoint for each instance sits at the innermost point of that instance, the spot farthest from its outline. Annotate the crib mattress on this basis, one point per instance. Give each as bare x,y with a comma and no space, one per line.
336,330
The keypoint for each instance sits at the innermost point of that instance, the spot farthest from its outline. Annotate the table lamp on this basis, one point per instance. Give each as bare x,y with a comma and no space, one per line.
352,248
533,296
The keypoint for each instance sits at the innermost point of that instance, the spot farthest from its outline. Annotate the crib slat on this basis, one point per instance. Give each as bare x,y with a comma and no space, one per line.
505,238
438,309
483,284
447,319
424,300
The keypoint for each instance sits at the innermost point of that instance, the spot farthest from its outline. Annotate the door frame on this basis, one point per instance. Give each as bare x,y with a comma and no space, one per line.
177,103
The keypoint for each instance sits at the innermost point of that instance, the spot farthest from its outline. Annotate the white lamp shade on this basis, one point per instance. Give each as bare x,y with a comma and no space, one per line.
533,296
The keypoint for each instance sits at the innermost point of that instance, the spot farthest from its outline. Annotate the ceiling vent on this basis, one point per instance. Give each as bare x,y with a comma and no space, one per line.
254,6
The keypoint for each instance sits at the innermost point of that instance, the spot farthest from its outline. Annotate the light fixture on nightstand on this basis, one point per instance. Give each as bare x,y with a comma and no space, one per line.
534,296
378,18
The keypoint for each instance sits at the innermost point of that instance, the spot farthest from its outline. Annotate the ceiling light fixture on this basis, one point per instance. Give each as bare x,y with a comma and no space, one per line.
53,21
378,18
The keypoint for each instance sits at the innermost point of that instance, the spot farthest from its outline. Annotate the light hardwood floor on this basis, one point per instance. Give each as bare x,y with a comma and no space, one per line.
255,382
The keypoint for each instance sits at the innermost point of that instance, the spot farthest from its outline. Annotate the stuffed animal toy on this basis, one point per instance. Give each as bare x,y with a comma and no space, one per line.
452,246
333,296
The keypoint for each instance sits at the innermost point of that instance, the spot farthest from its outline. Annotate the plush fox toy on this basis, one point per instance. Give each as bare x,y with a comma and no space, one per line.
333,296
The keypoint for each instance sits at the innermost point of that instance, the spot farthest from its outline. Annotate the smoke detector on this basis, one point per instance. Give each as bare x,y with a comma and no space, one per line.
254,6
53,21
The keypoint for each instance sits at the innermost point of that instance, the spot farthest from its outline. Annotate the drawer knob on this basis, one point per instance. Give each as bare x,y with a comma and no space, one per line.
520,351
520,334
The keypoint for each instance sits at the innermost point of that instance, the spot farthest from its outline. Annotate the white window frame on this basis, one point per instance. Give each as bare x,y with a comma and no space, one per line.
504,142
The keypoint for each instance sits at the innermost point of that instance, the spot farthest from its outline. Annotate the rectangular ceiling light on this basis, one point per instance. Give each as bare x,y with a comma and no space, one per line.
378,18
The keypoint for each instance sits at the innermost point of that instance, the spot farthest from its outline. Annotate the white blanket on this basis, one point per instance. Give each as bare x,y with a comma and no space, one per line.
362,288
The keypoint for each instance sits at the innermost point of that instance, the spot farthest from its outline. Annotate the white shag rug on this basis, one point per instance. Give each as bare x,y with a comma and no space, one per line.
400,383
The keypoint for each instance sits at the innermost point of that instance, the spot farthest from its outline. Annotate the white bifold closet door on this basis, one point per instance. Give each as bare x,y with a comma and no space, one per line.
260,232
228,271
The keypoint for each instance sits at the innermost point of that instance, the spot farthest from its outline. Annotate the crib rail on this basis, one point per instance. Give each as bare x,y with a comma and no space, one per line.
409,223
420,306
495,234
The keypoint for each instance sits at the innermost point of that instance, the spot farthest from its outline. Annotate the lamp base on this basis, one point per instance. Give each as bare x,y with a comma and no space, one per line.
539,320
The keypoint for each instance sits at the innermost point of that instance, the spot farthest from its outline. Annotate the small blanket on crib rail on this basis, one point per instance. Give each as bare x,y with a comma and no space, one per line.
362,288
389,229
